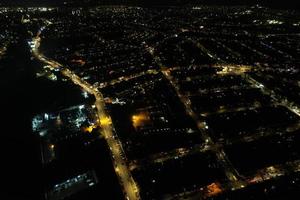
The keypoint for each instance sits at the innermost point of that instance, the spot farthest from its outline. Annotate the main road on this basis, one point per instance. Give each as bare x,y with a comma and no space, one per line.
126,180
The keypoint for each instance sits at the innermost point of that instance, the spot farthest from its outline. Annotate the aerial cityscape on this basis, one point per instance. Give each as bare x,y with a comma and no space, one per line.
134,102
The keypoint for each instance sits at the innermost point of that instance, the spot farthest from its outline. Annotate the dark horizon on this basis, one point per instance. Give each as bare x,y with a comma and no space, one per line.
289,4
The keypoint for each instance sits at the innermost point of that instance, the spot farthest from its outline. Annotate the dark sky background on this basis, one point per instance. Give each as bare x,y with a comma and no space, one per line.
269,3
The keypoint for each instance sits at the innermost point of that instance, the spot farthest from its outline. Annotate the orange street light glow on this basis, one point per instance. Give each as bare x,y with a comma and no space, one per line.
214,189
140,119
105,121
89,129
79,61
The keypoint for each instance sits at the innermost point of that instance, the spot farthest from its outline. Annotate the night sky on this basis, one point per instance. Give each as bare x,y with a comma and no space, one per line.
271,3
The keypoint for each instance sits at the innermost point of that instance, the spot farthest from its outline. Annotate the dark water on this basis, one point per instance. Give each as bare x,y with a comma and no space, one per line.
22,97
19,148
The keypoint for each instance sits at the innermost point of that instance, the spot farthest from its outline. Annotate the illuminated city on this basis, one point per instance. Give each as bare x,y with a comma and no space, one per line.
150,102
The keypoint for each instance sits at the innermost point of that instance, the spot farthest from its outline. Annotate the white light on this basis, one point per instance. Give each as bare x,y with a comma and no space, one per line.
91,184
260,85
42,133
81,107
85,94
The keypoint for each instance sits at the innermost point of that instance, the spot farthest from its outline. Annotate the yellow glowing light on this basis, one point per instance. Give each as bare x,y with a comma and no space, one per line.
105,121
233,69
140,119
89,129
52,146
